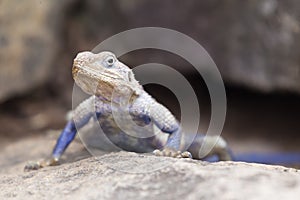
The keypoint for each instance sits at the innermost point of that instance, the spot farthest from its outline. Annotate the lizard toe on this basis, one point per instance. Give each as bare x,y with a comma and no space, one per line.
40,164
32,166
172,153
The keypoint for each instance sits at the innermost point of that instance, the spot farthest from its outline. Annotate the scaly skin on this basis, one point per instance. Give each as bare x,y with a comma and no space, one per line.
124,110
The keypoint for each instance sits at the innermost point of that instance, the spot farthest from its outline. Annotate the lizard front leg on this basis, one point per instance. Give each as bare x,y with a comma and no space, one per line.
167,123
65,138
148,108
172,147
80,117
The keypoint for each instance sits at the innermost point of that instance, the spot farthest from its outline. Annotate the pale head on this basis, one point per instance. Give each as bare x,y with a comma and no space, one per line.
103,74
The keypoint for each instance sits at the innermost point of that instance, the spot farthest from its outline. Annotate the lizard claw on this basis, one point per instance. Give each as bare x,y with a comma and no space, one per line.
172,153
40,164
32,166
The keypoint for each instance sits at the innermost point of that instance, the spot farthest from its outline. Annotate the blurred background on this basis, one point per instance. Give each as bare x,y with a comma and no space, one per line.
255,44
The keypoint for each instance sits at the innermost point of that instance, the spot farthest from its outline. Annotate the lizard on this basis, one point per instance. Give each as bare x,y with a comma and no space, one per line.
110,83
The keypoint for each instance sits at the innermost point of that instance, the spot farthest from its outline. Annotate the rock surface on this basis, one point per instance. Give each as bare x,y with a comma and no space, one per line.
125,175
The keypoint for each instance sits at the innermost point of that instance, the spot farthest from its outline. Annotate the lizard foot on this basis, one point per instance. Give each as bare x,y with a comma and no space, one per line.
40,164
172,153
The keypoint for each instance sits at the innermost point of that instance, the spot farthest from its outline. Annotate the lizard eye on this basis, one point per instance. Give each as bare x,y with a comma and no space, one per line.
110,61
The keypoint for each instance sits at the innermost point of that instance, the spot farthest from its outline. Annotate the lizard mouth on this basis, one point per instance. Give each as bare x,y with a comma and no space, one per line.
83,70
91,81
84,80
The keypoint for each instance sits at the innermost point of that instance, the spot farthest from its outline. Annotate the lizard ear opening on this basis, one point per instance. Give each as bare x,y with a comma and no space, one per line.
130,76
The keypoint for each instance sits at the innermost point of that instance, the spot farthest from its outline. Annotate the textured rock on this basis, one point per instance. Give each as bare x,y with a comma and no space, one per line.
125,175
128,175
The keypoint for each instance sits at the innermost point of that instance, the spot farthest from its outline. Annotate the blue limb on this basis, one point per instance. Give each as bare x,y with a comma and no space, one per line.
174,139
65,138
68,134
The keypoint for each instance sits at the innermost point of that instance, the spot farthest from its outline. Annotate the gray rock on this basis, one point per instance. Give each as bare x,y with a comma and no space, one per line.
27,45
125,175
255,43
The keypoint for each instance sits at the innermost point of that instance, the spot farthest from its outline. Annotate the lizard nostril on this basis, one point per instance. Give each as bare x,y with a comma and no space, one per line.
83,55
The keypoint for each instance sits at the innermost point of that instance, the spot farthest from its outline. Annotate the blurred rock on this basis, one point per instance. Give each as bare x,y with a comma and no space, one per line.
28,44
255,43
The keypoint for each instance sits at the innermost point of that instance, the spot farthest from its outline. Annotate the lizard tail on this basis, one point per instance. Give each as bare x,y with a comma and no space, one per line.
269,158
222,152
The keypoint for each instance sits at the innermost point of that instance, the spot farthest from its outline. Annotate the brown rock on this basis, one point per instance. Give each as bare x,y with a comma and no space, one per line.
27,45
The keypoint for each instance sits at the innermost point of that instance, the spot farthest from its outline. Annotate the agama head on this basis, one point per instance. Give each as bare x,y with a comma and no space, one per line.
104,75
